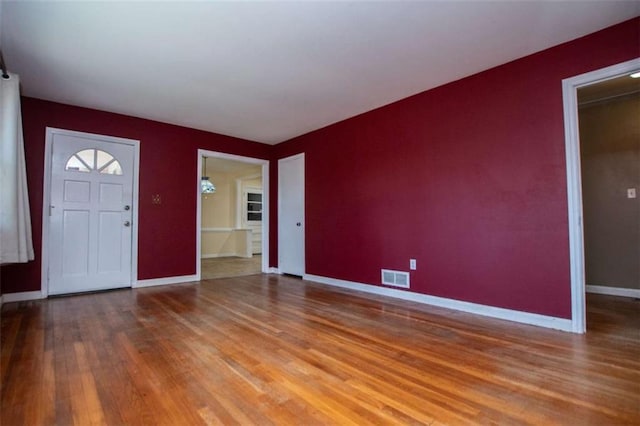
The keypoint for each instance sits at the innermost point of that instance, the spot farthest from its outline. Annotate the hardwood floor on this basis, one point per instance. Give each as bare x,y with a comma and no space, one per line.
267,350
225,267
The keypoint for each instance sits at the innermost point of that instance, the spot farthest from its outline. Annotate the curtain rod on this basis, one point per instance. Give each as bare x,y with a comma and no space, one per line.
5,73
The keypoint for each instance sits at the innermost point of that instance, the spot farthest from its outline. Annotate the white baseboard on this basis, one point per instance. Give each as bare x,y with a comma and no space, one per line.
614,291
473,308
273,270
22,296
35,295
165,281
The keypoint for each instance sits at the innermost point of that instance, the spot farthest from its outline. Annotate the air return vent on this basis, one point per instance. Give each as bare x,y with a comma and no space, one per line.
395,278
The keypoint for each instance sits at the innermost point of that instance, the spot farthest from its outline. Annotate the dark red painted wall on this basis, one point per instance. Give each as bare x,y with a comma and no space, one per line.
168,166
468,178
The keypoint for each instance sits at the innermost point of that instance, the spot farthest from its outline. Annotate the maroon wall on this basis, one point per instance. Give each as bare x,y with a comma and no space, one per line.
168,166
468,178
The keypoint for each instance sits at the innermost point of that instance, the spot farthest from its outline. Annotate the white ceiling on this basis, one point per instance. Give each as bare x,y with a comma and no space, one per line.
268,71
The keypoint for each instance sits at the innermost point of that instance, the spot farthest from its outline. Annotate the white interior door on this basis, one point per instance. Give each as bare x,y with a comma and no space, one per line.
90,214
291,258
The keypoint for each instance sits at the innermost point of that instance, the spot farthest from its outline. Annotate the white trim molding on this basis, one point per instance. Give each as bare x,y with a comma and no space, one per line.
570,88
22,296
614,291
182,279
472,308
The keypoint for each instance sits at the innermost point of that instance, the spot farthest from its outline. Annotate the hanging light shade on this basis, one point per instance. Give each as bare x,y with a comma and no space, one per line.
206,187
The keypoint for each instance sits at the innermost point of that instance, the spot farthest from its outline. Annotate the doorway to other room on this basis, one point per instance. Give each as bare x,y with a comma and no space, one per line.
232,216
608,114
596,186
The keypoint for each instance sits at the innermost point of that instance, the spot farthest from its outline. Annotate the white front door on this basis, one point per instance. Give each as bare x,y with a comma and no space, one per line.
90,214
291,259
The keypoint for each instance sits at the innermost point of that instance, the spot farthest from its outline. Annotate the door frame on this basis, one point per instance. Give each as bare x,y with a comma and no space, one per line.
570,88
265,204
304,224
46,199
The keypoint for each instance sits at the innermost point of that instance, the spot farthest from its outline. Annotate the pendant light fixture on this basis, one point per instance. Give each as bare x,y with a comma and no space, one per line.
206,187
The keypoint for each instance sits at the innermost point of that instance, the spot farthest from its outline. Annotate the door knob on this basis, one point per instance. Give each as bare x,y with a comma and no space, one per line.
127,207
127,223
298,224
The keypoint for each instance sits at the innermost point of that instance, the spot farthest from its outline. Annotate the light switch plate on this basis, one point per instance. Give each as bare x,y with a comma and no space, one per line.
631,193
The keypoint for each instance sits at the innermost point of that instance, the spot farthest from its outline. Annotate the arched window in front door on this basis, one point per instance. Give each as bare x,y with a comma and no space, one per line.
90,160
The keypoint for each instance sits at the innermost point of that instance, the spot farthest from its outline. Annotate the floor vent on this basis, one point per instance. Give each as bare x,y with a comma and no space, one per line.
395,278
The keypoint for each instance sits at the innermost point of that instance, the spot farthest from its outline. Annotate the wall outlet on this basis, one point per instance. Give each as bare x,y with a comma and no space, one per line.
631,193
412,264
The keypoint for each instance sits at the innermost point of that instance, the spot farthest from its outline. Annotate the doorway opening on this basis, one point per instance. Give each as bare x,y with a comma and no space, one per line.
232,222
576,208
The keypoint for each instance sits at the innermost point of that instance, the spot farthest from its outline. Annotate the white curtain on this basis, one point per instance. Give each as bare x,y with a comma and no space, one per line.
15,220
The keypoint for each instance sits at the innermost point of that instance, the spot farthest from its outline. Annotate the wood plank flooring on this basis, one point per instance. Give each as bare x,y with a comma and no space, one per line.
225,267
267,349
